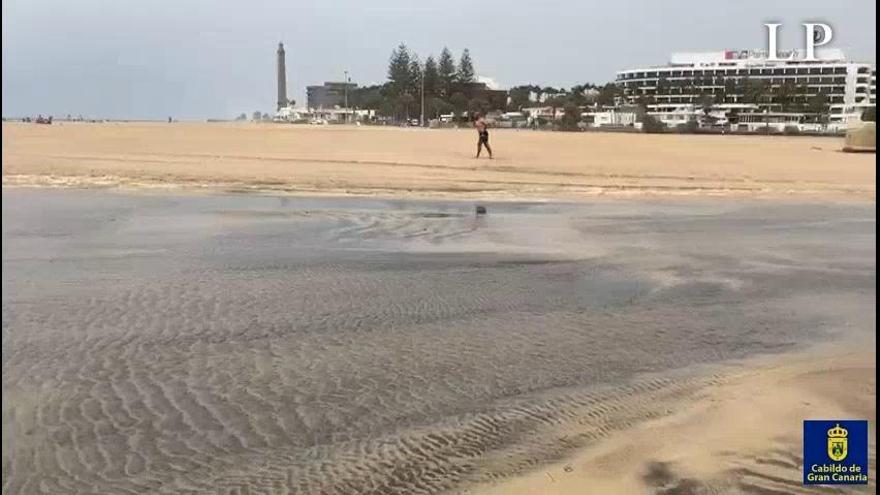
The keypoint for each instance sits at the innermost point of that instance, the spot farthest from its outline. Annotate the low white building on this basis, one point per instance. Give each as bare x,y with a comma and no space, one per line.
609,118
784,122
290,114
546,113
329,116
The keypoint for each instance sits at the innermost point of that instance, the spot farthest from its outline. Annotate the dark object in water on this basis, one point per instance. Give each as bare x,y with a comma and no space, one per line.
481,210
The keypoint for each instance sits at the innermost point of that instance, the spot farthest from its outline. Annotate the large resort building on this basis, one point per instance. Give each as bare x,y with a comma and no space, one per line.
754,88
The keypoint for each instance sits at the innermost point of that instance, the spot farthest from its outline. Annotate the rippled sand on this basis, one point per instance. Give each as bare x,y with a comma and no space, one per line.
742,434
394,162
223,344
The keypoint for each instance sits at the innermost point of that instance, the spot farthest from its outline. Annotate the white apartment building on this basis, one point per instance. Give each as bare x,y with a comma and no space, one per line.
850,86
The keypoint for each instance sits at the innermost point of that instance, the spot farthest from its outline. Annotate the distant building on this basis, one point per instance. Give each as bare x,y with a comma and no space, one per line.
329,95
675,88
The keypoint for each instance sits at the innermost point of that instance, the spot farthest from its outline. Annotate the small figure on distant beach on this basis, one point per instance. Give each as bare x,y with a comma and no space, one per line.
483,135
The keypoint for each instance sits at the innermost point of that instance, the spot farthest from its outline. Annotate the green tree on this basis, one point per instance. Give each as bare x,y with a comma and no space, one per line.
733,116
645,100
459,103
754,92
257,115
818,104
241,117
785,95
608,94
662,87
730,90
405,103
555,102
446,73
720,95
570,119
576,96
415,75
415,88
368,97
642,103
704,103
432,77
478,105
465,72
651,125
519,97
437,106
399,75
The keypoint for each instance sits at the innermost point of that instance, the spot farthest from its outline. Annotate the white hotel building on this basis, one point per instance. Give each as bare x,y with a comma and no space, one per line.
849,86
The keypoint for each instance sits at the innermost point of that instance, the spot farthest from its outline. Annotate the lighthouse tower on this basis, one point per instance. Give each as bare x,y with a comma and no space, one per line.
282,78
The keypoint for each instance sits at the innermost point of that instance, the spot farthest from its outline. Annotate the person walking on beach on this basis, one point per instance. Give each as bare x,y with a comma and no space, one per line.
483,135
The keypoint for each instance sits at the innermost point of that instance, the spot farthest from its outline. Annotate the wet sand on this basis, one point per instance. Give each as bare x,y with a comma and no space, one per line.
248,344
394,162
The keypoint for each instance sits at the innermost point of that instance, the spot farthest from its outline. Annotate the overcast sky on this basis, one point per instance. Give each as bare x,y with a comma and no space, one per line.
194,59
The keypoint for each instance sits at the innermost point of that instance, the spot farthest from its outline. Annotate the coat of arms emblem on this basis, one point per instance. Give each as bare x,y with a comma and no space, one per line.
837,443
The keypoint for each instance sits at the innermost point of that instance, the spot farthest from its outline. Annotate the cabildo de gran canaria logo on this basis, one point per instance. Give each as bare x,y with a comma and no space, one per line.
835,452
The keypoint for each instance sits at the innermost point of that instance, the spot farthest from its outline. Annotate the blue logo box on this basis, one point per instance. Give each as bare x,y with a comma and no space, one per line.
835,452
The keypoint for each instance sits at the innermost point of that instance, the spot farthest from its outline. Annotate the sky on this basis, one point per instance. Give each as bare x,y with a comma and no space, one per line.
197,59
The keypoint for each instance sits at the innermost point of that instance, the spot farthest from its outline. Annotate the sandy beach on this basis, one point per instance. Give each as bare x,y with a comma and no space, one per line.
395,162
636,313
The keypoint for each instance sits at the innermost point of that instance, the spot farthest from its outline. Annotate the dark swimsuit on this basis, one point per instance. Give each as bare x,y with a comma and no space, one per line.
484,137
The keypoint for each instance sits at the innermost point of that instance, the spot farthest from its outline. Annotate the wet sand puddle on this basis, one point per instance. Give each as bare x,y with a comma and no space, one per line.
223,344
